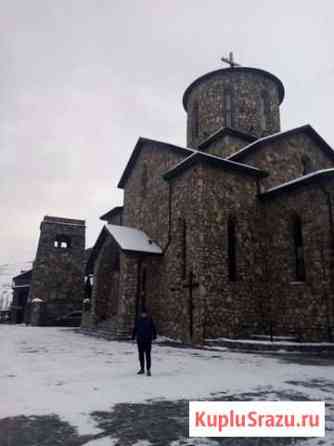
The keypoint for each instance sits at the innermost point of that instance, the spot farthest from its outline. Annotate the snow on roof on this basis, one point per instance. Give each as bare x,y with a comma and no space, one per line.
136,151
255,143
302,128
213,159
131,239
303,179
226,131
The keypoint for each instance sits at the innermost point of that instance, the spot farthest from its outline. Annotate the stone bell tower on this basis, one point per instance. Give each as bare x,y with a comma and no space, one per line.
241,98
57,284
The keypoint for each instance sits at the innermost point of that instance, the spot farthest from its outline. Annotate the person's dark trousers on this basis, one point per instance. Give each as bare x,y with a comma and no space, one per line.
144,350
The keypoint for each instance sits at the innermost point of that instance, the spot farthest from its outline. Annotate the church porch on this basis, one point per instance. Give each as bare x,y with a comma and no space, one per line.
122,260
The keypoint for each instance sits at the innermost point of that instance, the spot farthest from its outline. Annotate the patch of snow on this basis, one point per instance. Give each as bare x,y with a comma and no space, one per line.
56,370
142,443
280,338
278,343
105,441
166,339
208,156
194,442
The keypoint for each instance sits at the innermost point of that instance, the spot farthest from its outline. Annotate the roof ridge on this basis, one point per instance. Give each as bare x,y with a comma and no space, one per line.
141,140
217,159
268,138
305,127
227,129
297,181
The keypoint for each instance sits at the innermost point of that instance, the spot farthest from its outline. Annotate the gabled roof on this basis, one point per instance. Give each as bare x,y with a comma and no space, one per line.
133,158
189,153
308,129
129,240
114,211
226,131
311,178
213,161
24,276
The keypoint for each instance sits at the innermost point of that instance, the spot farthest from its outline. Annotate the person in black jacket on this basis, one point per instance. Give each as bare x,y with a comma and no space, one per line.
144,331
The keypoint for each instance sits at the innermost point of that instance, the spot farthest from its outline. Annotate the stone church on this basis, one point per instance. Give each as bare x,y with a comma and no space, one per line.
231,235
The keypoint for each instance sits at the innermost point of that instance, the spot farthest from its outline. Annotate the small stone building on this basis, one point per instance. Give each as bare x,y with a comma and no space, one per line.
21,290
57,285
236,228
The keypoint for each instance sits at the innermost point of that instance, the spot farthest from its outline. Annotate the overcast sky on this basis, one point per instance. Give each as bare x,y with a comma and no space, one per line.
81,80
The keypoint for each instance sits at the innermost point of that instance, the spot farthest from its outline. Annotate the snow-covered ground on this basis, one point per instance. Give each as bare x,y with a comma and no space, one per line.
7,272
62,372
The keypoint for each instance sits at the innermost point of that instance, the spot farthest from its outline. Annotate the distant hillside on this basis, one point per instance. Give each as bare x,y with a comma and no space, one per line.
7,272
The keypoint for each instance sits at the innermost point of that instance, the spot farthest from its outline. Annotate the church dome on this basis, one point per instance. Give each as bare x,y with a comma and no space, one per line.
242,98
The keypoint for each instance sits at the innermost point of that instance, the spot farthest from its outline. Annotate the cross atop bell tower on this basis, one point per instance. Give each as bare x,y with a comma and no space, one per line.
230,60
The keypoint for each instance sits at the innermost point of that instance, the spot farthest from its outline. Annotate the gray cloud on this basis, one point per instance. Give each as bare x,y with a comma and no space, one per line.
81,80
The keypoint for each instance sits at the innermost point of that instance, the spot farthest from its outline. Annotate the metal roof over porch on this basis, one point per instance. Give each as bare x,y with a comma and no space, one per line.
131,239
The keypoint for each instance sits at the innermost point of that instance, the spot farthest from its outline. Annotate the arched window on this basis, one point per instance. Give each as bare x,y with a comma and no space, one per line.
183,225
195,114
62,242
144,180
232,249
297,234
307,164
228,108
116,261
264,110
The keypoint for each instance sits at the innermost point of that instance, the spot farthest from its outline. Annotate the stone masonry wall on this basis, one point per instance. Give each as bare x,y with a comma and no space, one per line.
105,268
232,307
204,197
153,211
127,294
146,194
182,257
300,308
226,146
